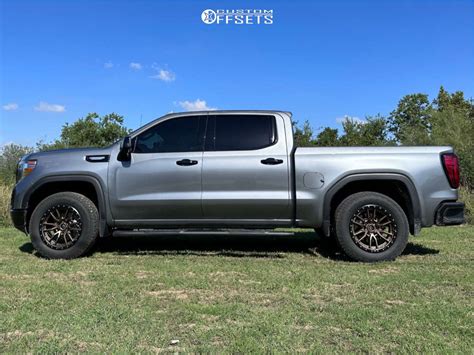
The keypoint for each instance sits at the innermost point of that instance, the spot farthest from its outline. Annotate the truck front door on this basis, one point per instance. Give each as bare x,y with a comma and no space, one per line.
162,180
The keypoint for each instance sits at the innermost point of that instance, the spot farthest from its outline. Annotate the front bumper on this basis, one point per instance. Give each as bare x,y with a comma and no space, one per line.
19,219
450,213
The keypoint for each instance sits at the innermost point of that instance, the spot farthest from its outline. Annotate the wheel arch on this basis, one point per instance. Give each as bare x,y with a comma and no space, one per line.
86,185
397,186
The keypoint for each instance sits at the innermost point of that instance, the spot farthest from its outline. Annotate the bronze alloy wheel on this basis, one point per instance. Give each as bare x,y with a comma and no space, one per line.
60,227
373,228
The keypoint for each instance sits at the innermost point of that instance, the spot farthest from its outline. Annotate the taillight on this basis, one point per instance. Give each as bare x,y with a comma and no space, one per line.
451,168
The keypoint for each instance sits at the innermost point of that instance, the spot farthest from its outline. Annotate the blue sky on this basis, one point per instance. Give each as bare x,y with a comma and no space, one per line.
320,59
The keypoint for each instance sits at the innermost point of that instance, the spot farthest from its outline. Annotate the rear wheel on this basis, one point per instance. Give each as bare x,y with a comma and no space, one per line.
371,227
64,226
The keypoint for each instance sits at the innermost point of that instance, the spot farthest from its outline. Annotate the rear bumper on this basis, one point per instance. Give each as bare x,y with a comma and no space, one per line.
450,213
19,219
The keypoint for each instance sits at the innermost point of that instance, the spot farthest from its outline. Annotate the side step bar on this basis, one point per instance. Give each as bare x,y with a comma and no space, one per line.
160,232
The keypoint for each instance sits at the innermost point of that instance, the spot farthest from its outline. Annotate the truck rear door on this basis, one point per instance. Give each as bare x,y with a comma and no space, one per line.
245,174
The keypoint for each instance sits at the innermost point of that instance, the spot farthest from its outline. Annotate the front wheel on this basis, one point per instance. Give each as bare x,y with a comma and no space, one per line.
64,226
371,227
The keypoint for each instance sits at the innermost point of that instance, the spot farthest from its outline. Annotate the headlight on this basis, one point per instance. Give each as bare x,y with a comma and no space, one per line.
25,167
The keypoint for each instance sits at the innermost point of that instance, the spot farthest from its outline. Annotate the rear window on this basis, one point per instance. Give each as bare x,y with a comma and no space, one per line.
243,132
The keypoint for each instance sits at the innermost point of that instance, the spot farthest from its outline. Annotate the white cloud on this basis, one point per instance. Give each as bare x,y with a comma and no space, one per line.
197,105
165,75
135,66
162,74
10,107
108,65
45,107
353,118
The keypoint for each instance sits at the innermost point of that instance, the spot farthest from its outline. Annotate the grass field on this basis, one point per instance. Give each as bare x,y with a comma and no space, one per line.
238,294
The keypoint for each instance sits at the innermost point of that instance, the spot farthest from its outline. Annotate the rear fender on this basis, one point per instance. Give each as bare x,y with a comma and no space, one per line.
415,201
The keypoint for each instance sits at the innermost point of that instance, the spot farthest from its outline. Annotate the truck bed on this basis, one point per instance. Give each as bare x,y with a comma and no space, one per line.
421,165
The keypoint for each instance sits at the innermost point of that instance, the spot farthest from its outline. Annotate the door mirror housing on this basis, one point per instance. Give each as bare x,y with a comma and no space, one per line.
125,149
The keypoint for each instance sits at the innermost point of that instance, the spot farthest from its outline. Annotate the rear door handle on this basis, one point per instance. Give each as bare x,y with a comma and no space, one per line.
186,162
271,161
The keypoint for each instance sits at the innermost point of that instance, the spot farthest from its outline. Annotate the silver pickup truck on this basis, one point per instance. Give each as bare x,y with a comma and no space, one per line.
234,170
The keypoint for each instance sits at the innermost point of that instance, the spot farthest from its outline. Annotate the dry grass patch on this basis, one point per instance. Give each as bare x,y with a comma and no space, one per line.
5,196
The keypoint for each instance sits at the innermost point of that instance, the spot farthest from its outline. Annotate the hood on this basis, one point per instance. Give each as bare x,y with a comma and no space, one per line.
68,152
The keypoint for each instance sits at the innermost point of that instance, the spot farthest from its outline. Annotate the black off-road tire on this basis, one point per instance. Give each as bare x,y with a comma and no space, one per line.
352,205
89,218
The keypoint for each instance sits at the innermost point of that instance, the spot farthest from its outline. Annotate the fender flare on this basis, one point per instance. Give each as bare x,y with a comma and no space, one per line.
101,200
341,183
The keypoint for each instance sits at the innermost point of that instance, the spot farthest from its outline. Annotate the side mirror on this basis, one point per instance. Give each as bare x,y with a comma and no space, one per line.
125,149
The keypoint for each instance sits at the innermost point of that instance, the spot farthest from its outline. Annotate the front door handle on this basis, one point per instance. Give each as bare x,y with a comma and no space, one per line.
271,161
186,162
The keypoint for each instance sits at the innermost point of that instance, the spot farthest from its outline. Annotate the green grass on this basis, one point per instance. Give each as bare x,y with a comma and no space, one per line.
238,294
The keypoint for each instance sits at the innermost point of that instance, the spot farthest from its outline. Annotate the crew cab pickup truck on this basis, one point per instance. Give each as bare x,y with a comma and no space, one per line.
234,170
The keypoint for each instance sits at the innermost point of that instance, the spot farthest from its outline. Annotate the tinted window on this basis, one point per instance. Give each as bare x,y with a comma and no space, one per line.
175,135
244,132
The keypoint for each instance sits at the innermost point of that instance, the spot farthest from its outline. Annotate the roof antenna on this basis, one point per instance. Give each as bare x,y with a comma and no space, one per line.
141,116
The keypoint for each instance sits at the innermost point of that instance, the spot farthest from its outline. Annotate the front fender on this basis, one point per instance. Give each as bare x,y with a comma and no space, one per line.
104,211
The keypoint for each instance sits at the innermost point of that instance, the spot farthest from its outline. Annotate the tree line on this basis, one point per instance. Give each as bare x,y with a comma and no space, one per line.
90,131
448,119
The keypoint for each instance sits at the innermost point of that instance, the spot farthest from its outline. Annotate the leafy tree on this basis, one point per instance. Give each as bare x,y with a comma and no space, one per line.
303,136
90,131
453,124
371,132
9,156
454,127
376,131
446,101
328,137
410,121
443,100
